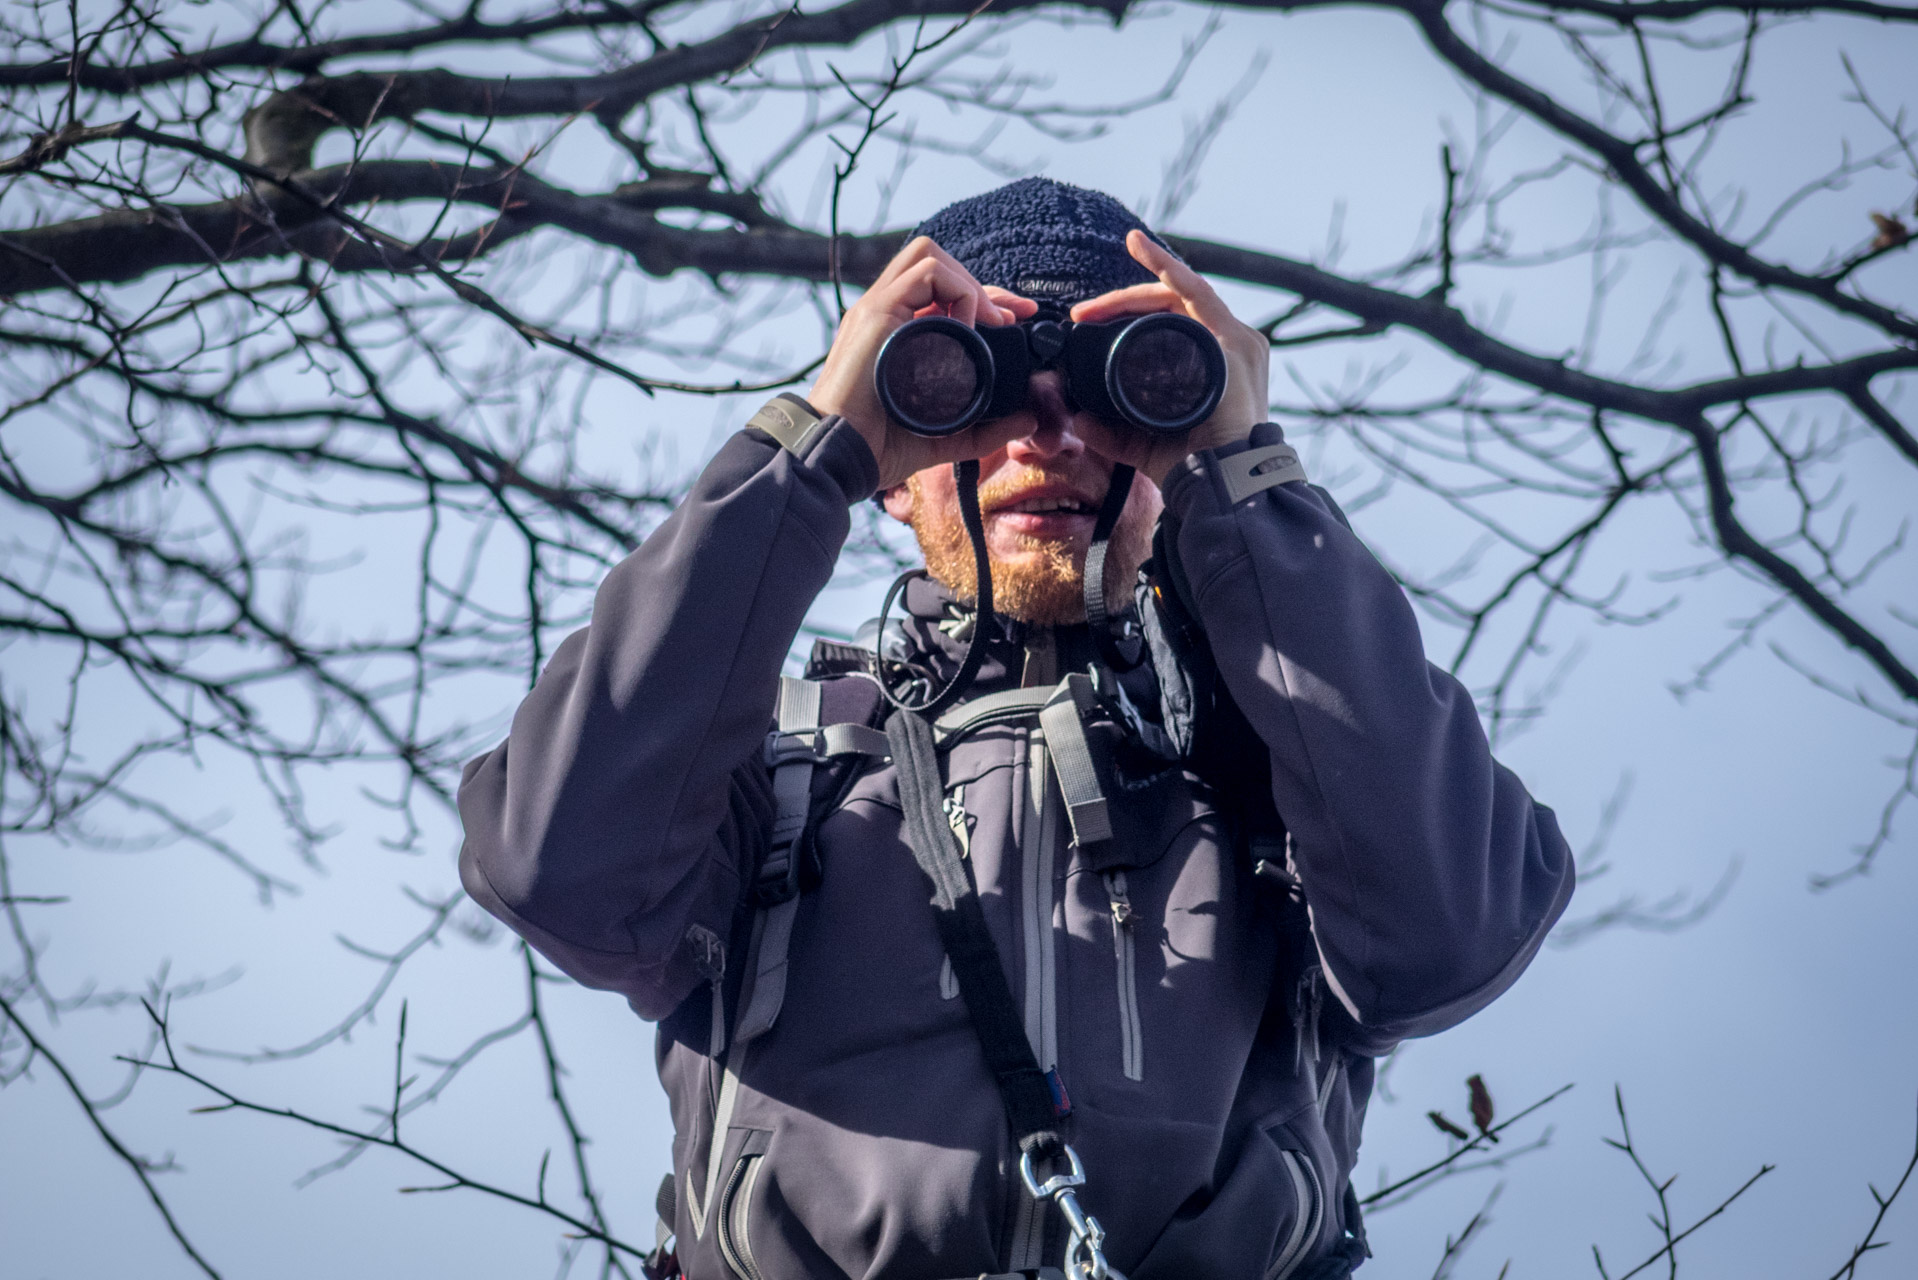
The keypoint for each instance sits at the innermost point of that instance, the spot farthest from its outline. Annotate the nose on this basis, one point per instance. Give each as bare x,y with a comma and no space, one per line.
1052,437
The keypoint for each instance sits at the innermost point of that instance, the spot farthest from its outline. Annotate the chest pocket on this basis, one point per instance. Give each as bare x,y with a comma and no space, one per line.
1139,874
1125,964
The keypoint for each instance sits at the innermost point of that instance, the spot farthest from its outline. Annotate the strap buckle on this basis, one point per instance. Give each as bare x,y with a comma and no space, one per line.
784,746
1080,783
791,755
816,744
778,879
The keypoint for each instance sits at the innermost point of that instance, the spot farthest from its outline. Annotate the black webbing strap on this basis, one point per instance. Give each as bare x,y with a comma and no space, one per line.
962,928
1098,616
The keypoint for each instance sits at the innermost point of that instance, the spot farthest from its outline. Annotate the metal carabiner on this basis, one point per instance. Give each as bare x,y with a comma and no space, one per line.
1058,1182
1085,1255
1093,1265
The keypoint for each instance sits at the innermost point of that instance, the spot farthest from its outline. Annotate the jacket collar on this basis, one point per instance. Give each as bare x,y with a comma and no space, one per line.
938,626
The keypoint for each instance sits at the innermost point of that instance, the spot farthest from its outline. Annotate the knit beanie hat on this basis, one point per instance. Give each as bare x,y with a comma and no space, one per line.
1042,239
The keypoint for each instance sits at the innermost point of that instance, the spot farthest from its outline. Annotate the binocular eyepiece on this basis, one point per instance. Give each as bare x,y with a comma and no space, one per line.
1162,373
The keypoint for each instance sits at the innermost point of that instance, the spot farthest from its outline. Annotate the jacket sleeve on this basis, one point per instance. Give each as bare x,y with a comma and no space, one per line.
1432,875
613,826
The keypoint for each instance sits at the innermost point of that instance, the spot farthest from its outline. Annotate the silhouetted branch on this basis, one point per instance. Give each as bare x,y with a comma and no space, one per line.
323,338
1662,1220
1871,1242
1476,1143
575,1137
142,1168
454,1179
1455,1246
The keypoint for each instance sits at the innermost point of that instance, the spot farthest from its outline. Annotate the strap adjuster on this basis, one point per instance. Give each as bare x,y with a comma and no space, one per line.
778,878
787,746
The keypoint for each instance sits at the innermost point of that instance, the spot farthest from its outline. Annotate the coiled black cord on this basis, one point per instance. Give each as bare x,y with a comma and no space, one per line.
965,477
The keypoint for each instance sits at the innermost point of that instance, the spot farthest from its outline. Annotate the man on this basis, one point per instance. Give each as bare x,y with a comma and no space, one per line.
1209,1046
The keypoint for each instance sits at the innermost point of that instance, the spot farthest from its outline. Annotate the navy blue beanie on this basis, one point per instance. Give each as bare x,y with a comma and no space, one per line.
1042,239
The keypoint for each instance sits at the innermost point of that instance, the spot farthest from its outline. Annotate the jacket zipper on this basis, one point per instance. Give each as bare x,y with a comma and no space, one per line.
1125,959
735,1237
1325,1085
1307,999
1305,1227
961,823
722,1073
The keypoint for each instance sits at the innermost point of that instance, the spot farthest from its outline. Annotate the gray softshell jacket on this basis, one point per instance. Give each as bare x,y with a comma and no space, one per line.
1215,1099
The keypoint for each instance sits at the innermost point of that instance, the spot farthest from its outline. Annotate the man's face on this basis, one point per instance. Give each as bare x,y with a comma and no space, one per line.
1040,496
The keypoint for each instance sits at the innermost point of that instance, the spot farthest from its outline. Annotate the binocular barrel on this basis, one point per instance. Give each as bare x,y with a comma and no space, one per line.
1162,373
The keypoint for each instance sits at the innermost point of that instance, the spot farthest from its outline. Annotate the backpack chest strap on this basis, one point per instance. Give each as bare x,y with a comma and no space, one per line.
1061,712
801,743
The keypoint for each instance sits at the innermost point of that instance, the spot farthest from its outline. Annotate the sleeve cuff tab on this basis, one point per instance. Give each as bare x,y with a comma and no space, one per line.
1256,470
788,419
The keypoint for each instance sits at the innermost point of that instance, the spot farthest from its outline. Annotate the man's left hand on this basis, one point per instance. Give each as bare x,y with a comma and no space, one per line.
1248,360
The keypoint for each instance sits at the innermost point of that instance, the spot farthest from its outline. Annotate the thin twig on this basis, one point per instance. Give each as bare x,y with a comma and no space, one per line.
140,1166
1476,1143
454,1179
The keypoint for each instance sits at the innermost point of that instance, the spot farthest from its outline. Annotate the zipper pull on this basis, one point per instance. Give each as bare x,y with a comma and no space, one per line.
1310,992
959,820
1122,913
709,957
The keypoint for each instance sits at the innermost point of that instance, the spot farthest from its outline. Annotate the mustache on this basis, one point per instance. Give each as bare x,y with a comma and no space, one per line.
1002,489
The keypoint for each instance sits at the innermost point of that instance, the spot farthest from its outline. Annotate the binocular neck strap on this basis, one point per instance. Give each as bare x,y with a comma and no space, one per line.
1098,617
965,477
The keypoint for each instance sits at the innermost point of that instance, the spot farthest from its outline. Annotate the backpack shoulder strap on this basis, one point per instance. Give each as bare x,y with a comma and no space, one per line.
818,721
778,876
792,752
775,888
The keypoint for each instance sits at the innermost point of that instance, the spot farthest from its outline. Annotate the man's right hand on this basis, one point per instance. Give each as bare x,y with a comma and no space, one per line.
921,280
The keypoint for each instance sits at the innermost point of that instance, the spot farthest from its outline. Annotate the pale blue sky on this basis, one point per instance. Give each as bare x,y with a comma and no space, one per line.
1782,1029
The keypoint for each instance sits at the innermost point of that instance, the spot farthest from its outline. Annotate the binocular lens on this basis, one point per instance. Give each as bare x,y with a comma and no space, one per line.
1158,372
932,381
1162,374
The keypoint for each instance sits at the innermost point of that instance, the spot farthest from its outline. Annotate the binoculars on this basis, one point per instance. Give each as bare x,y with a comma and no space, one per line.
1162,373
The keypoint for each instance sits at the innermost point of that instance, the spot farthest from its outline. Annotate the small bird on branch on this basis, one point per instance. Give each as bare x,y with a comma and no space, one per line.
1481,1106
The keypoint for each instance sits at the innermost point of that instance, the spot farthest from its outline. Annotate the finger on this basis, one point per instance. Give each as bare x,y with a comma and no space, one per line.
1011,306
1202,302
965,309
910,254
932,250
935,282
1138,299
915,251
986,303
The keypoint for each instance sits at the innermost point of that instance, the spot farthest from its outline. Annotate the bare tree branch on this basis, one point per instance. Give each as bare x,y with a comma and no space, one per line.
142,1168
